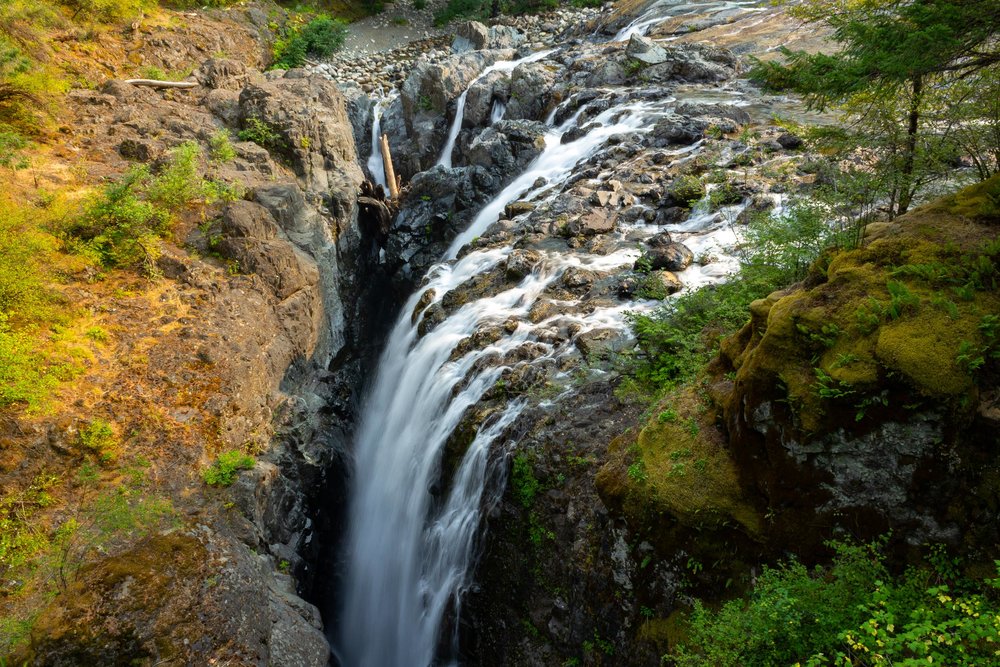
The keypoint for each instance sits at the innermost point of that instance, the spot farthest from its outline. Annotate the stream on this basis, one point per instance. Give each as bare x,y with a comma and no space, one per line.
410,544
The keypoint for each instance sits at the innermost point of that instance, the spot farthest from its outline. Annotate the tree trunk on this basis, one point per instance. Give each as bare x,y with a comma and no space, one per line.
909,155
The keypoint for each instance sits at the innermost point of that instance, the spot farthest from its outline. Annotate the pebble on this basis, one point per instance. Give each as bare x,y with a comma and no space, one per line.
388,69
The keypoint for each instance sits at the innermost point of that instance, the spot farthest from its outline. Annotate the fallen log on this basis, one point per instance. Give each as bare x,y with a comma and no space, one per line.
390,173
153,83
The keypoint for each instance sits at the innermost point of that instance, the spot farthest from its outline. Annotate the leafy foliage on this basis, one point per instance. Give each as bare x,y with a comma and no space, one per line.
852,613
918,80
677,340
226,467
319,38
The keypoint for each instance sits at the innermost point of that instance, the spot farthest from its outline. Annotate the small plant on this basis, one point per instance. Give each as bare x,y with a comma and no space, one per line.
220,147
99,437
319,38
96,334
827,387
637,471
261,133
525,484
668,415
901,299
226,467
177,184
420,5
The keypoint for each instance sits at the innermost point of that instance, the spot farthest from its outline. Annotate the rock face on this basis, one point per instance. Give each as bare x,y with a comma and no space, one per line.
288,331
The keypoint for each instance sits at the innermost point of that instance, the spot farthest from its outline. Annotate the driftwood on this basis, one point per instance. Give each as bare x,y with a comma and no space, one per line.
153,83
390,173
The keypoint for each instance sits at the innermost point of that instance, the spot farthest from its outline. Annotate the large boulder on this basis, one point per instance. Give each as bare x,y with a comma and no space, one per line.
645,50
530,84
309,114
506,148
470,36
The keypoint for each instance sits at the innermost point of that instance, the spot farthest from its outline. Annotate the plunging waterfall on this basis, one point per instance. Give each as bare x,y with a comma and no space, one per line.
375,166
456,124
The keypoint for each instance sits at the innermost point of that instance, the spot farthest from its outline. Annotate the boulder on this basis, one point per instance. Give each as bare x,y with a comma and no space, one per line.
671,257
645,50
504,37
521,263
470,36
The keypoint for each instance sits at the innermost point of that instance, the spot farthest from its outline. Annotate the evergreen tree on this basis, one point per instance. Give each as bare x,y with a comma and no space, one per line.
918,76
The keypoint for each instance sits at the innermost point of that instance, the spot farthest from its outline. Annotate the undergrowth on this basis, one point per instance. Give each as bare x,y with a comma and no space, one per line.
678,339
854,612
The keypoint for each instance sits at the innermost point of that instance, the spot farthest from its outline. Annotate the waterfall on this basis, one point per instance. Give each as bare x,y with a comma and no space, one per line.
507,66
664,9
375,166
407,559
499,109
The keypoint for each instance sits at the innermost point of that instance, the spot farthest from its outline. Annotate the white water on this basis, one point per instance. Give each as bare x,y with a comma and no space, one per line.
506,66
375,165
408,554
499,109
665,9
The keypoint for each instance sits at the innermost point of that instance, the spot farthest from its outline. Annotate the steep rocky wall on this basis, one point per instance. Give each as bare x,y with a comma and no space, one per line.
282,328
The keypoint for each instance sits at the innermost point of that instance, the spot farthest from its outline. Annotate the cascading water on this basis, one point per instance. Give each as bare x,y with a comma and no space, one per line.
664,9
409,552
499,109
375,165
456,124
406,561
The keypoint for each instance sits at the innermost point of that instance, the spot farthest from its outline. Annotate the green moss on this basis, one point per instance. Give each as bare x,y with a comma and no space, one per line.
923,347
687,473
981,200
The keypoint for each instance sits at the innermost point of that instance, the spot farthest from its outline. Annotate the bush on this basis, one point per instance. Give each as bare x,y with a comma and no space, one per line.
319,38
122,227
227,465
100,438
177,184
220,147
677,340
262,134
852,613
119,228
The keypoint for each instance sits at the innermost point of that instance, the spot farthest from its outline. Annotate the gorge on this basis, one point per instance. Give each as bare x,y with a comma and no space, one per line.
619,351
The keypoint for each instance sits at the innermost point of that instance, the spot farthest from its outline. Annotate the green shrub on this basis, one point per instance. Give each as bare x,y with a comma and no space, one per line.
319,38
121,229
524,482
852,613
677,339
100,438
261,133
420,5
12,146
227,465
220,147
177,184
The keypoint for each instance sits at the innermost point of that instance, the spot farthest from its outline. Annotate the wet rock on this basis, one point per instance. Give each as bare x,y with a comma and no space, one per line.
470,36
595,222
645,50
671,257
529,89
789,141
674,129
577,278
516,208
481,96
506,148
